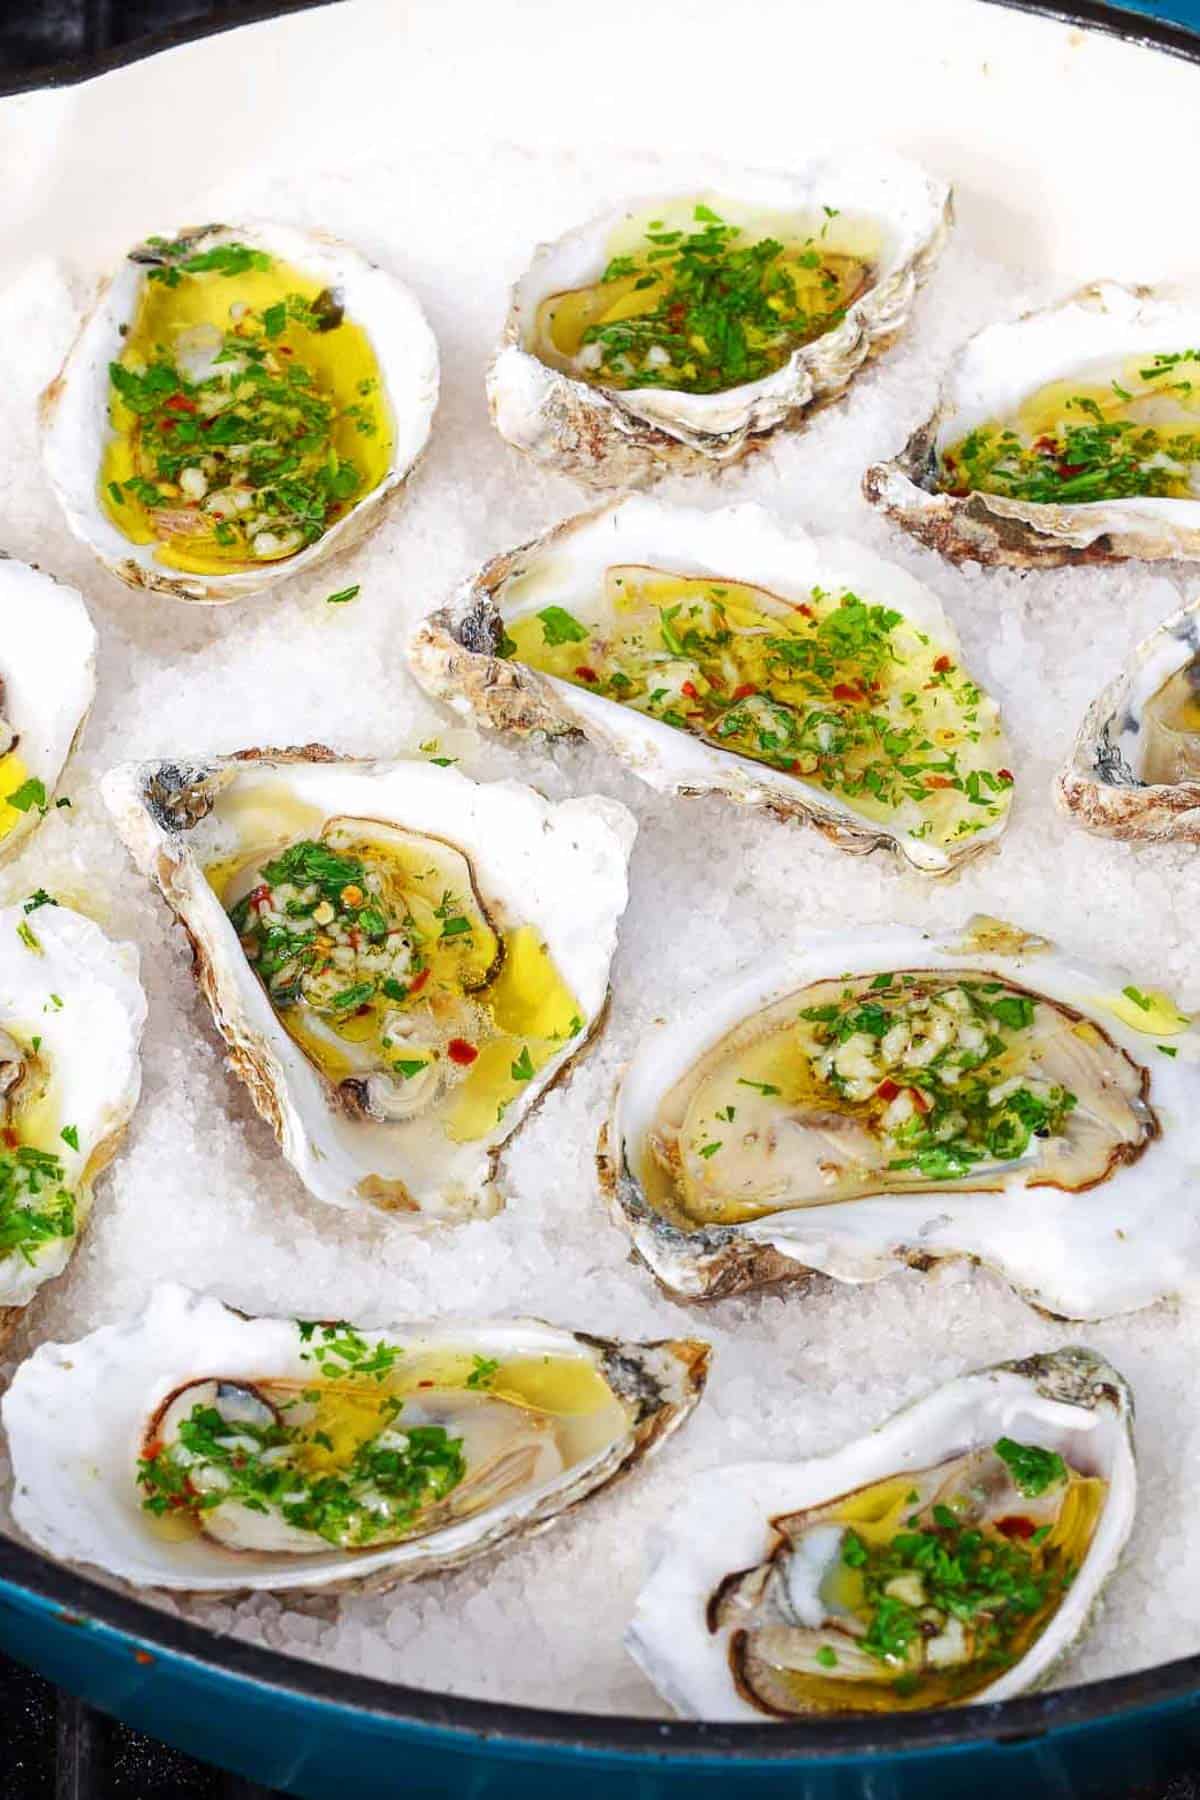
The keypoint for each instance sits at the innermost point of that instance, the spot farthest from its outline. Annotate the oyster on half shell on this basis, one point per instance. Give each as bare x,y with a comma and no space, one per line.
882,1097
47,685
71,1017
1071,435
197,1448
401,960
237,406
720,652
605,369
1134,769
955,1554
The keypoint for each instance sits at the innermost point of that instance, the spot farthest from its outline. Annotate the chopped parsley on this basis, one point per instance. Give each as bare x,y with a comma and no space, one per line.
36,1206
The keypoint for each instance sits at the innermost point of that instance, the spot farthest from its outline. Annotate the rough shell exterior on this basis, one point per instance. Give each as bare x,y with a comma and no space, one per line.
994,530
73,1411
455,655
74,407
611,438
1100,787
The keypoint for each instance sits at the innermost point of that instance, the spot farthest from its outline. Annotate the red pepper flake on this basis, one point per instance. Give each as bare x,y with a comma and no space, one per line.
938,781
689,688
180,403
1045,443
942,664
1066,470
744,692
460,1052
418,982
261,896
843,691
586,674
424,1384
920,1099
153,1449
1005,775
887,1090
284,350
143,1657
1016,1526
11,1140
803,607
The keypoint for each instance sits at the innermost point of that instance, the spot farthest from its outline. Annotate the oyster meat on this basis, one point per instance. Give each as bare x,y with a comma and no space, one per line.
677,331
719,652
200,1449
71,1017
954,1555
47,685
237,406
1134,770
883,1097
1071,435
400,960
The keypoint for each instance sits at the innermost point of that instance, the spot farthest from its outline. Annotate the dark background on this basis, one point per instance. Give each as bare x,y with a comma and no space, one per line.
40,36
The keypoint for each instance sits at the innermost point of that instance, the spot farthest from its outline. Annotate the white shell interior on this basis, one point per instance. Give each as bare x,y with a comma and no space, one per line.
1131,1240
78,991
561,868
722,1525
78,430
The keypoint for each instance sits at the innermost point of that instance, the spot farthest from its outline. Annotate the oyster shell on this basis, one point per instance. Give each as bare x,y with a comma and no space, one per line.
1134,770
47,685
796,1121
376,1455
1120,347
786,596
879,223
792,1590
400,960
71,1017
283,304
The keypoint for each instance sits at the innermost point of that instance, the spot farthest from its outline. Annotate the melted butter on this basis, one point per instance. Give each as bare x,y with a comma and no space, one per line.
848,249
504,997
685,650
585,1414
341,361
877,1513
13,774
1149,1011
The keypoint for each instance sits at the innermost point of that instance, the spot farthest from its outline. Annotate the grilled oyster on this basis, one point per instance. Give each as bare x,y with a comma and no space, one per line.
718,652
47,685
882,1097
196,1448
1069,435
401,960
676,332
237,406
954,1555
71,1017
1134,770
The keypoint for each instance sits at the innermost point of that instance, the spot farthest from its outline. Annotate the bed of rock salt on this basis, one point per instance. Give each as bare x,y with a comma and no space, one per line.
200,1193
